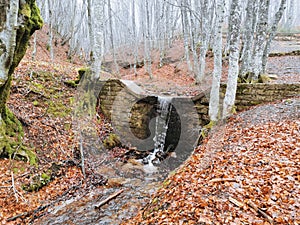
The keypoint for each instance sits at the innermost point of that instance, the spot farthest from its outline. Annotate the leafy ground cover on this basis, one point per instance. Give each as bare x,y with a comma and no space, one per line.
246,172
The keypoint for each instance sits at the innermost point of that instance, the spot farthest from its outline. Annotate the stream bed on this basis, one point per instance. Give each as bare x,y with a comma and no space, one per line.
137,186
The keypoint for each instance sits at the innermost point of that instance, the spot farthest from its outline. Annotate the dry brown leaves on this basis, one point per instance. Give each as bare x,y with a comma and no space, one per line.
38,86
252,178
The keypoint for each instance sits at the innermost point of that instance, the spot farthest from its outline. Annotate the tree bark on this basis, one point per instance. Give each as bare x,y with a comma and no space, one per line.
215,89
235,26
248,39
272,34
18,22
260,42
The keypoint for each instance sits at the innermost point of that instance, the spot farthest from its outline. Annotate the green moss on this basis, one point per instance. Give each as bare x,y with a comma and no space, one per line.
38,182
25,10
41,180
112,141
38,87
10,128
71,83
74,83
264,78
82,71
58,109
35,103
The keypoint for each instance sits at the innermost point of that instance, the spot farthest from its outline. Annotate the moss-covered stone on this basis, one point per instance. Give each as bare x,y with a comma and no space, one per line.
74,83
112,141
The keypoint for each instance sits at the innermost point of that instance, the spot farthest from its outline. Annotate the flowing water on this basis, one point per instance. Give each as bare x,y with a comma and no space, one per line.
137,181
161,128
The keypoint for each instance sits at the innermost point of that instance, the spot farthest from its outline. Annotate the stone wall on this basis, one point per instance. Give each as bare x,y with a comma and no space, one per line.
248,95
133,113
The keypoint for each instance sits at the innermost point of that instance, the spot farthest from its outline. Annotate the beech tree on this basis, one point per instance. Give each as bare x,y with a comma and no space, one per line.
96,32
18,21
233,70
214,99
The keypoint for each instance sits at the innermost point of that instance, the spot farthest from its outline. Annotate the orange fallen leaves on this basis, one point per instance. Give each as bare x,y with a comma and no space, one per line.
258,165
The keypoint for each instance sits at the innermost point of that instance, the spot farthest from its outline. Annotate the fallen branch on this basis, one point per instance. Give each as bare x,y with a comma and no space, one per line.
261,212
109,198
34,212
215,180
252,206
13,186
236,202
5,186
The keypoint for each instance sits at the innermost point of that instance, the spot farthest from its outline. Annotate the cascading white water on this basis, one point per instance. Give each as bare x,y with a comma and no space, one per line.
161,128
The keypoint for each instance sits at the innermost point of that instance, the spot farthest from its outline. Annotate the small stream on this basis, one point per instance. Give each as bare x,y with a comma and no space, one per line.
138,179
82,210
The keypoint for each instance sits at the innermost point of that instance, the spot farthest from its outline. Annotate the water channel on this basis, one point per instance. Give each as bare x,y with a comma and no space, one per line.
138,179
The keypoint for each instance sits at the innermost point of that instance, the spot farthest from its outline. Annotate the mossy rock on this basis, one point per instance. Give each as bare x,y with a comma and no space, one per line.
40,180
112,141
74,83
11,135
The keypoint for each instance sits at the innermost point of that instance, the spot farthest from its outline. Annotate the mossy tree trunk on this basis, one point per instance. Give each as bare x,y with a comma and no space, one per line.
18,21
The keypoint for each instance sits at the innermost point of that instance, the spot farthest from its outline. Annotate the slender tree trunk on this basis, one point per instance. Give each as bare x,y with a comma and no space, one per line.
248,40
235,23
215,89
185,31
135,44
50,42
260,41
205,36
96,35
73,26
110,20
272,34
33,55
9,19
147,41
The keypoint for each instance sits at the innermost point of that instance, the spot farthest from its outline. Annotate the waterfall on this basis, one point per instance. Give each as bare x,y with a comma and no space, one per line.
161,128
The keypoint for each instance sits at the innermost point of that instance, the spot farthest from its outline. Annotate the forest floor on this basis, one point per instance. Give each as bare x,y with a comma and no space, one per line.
251,175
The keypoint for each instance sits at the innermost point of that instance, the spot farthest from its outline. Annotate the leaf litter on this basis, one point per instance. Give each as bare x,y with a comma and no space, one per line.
246,172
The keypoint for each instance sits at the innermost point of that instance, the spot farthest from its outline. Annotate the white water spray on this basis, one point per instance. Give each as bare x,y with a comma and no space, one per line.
161,128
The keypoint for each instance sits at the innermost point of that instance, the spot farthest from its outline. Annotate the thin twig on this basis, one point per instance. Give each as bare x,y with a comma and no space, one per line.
261,212
236,202
253,207
42,207
109,198
13,186
82,156
215,180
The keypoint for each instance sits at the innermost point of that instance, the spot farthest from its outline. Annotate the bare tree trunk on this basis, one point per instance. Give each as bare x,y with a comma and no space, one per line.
204,40
135,53
33,55
185,31
260,41
15,31
110,20
8,39
96,35
147,41
215,89
50,42
272,34
248,39
235,23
